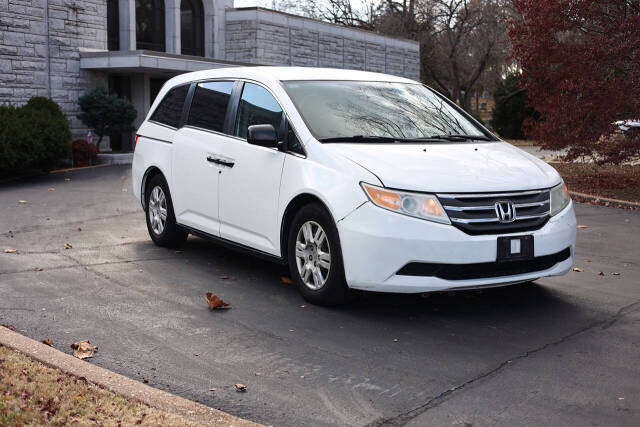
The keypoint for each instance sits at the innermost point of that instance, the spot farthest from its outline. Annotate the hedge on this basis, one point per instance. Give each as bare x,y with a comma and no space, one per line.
33,136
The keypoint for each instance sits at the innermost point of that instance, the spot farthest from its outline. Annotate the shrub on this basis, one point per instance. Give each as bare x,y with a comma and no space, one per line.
511,108
33,136
106,114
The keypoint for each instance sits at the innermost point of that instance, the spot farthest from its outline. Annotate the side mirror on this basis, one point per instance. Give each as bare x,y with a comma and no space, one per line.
262,135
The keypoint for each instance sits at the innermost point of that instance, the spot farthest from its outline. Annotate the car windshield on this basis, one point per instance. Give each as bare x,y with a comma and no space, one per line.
361,111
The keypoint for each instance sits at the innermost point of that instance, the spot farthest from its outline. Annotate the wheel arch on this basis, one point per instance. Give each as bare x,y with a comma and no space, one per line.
292,208
148,174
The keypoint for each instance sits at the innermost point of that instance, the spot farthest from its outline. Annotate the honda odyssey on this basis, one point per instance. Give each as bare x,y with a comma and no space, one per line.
355,180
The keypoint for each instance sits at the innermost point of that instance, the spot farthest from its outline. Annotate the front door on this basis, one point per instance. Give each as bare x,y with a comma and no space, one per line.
249,189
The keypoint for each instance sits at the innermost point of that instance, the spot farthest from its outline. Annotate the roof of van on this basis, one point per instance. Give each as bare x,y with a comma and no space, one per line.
288,73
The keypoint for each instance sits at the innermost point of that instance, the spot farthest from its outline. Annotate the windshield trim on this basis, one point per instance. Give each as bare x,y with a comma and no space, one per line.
486,132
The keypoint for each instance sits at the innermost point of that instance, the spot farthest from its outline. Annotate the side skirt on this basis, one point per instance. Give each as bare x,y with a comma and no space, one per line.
235,246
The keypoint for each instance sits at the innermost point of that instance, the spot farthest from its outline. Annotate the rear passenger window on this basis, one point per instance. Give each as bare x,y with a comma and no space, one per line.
169,111
209,105
257,107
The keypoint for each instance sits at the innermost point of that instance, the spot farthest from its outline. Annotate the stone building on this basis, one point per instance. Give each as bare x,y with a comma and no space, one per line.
61,48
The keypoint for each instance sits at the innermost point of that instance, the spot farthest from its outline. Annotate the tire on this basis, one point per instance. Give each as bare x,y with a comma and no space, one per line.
158,200
325,258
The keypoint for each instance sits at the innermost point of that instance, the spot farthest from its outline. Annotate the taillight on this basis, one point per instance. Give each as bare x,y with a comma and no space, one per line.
136,141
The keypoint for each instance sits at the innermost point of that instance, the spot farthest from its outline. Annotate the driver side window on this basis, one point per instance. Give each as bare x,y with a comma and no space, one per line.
257,107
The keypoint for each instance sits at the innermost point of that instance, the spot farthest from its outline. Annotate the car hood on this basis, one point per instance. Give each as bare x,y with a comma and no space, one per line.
454,167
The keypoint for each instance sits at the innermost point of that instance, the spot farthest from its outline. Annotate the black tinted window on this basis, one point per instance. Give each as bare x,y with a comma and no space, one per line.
257,107
170,109
293,143
209,105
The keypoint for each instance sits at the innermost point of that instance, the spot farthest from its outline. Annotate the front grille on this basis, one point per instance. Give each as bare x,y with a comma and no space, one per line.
476,213
485,269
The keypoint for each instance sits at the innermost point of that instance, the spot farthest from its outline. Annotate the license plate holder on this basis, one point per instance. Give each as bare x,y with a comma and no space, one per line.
515,248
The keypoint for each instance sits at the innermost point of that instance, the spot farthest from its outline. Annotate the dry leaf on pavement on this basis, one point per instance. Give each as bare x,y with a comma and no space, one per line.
51,189
48,342
83,349
22,201
9,327
215,302
67,179
67,246
241,387
10,251
286,280
616,274
582,226
601,273
577,269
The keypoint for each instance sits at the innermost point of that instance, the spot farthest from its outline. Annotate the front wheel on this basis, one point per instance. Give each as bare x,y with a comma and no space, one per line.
315,257
161,221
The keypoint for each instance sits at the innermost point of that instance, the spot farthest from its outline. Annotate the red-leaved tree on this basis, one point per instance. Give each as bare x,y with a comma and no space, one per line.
581,68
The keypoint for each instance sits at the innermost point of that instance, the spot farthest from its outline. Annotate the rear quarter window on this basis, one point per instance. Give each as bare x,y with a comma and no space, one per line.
169,111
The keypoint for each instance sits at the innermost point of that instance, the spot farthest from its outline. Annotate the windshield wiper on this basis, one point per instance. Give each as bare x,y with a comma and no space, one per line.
361,138
461,137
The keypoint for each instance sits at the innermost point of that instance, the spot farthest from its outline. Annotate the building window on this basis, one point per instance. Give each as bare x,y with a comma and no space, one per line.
113,25
192,27
150,25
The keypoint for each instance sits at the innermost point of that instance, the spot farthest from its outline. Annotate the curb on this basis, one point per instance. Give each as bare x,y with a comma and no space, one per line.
592,198
119,384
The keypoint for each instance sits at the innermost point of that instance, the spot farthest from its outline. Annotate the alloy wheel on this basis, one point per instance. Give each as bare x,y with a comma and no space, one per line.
157,210
313,255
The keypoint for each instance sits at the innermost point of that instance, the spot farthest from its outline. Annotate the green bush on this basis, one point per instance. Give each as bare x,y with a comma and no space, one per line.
511,108
106,113
33,136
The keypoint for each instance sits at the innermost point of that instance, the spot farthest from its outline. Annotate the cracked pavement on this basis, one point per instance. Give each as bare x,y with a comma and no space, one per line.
562,351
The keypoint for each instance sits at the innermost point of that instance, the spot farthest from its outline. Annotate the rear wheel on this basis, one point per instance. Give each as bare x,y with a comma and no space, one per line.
315,257
161,221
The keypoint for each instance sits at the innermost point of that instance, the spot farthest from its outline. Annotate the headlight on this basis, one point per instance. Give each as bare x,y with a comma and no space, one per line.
424,206
559,198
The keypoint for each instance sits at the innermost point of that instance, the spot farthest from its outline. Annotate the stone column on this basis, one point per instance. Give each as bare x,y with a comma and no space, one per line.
172,26
127,18
214,11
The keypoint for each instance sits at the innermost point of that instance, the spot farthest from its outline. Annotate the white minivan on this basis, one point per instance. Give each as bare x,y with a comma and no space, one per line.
355,180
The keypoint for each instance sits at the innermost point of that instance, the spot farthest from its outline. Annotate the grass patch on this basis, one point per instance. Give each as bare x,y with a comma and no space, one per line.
34,394
615,181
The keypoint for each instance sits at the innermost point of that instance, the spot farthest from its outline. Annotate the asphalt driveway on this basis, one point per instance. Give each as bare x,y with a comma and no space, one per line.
563,351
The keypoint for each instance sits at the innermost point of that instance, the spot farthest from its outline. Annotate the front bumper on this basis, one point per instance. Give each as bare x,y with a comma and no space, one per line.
377,243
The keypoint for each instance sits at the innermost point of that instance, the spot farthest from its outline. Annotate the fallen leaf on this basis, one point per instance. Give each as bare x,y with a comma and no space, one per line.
83,349
286,280
79,229
22,201
10,251
9,327
67,246
616,274
621,398
48,342
215,302
224,277
302,376
67,179
144,380
601,274
258,374
577,269
302,306
212,389
124,190
395,340
582,226
51,189
241,387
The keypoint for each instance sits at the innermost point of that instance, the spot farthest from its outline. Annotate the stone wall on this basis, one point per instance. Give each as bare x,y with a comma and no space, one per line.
73,25
266,37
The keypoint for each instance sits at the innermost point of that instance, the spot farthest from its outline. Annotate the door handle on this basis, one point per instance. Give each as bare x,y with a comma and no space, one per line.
220,161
